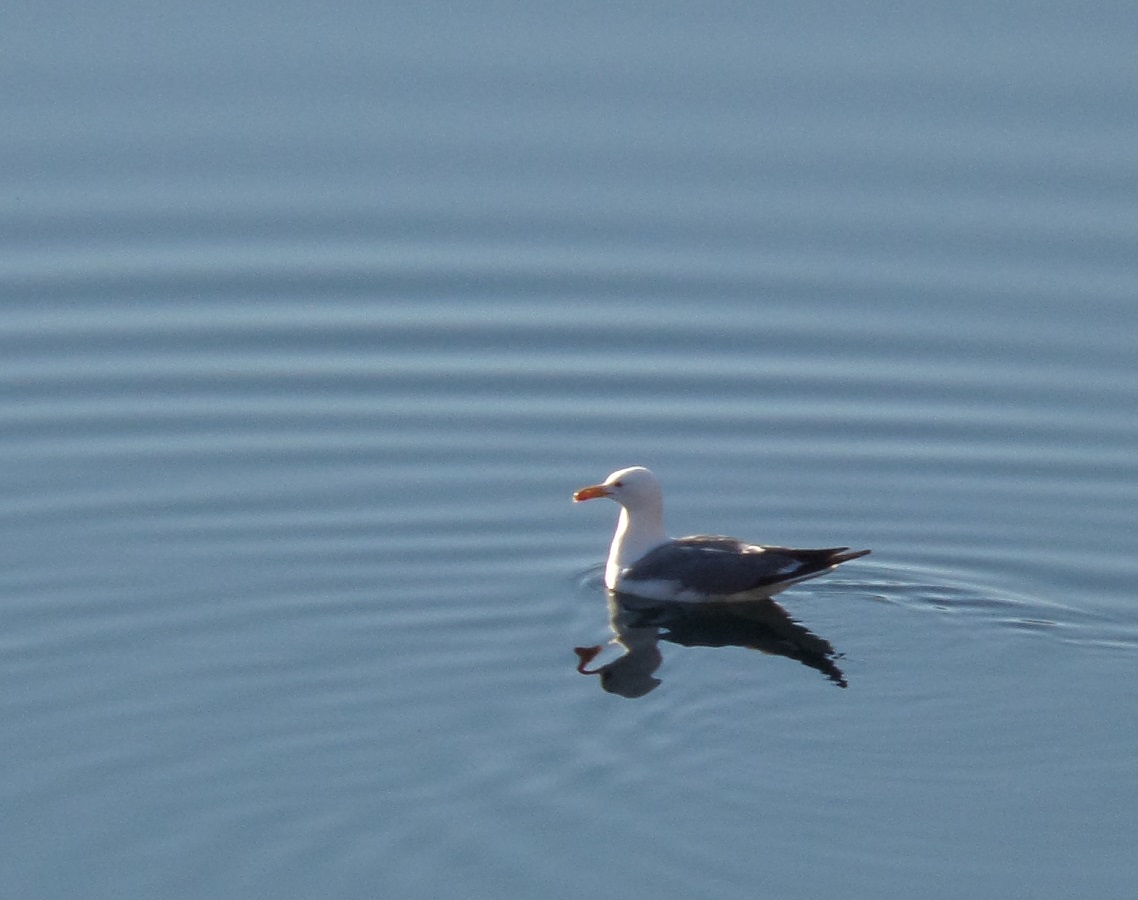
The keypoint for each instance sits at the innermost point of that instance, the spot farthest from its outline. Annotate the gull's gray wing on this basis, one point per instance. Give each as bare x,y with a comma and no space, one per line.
722,566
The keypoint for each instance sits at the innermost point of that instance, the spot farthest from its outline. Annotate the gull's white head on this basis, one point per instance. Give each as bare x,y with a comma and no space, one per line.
632,488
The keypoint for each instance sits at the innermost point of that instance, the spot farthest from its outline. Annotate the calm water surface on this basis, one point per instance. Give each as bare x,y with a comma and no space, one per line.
313,320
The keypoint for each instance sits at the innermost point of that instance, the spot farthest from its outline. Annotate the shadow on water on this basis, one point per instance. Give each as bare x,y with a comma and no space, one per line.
639,625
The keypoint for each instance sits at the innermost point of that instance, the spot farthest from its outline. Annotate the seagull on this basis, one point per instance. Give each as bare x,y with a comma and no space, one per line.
644,562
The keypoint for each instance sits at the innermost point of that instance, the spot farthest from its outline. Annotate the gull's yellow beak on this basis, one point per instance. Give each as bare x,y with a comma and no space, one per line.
592,492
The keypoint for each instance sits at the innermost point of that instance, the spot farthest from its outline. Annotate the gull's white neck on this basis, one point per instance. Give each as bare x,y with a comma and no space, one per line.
636,534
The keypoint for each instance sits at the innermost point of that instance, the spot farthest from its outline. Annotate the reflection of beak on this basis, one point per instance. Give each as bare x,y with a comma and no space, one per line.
586,655
591,493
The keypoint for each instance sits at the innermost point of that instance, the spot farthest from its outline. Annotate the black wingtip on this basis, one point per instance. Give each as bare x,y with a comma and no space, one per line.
839,558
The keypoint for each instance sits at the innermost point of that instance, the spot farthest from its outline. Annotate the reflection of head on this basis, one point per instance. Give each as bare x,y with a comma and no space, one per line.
629,675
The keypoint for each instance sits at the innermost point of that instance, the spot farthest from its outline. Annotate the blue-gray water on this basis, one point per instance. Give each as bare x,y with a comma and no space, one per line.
314,317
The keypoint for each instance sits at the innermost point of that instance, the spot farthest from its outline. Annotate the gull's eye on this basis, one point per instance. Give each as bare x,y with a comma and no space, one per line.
618,484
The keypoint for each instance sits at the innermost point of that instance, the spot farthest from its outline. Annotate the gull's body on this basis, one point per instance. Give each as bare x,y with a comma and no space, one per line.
645,562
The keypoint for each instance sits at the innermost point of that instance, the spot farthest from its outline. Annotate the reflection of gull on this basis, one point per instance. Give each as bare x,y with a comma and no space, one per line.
644,561
756,624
